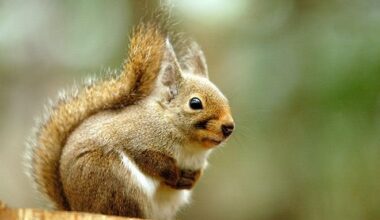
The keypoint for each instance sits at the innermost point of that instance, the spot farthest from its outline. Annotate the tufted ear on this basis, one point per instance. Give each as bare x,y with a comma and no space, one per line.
194,61
170,73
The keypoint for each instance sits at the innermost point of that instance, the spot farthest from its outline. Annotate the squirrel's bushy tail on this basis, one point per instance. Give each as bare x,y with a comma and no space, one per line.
135,82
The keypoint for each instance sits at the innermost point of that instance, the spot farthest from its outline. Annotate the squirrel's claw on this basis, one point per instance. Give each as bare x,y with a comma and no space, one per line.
186,180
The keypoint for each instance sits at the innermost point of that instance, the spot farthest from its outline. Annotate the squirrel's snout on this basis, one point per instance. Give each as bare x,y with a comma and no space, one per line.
227,129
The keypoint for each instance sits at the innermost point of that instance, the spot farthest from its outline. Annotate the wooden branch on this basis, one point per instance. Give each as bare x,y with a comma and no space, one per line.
38,214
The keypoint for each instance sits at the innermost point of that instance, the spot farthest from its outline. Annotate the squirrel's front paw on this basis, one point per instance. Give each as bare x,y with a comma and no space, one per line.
171,174
187,179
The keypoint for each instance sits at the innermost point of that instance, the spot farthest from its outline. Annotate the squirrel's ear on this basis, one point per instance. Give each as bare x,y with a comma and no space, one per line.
170,73
194,61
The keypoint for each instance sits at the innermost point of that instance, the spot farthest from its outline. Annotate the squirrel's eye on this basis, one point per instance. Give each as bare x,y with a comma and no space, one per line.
195,103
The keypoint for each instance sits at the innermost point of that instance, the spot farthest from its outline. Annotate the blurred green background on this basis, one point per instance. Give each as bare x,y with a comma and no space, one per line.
303,78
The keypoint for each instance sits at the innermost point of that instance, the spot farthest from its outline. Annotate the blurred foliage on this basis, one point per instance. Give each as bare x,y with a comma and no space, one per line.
303,78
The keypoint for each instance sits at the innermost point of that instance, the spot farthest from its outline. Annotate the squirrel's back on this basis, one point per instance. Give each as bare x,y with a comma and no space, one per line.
135,82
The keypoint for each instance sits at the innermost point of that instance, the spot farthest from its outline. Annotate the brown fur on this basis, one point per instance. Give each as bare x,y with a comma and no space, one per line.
80,159
135,82
93,182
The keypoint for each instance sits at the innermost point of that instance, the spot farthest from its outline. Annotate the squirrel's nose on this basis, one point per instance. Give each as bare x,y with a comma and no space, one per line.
227,129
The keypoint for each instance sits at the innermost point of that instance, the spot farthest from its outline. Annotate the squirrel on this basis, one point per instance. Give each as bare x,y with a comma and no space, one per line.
133,144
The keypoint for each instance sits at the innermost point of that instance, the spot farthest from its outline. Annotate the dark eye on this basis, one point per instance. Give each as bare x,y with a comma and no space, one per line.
195,103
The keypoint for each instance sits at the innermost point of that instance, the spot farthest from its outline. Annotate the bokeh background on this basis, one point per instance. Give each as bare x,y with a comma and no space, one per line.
303,78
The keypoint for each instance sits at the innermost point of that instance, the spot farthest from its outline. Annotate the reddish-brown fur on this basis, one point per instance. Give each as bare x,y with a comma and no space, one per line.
135,82
130,145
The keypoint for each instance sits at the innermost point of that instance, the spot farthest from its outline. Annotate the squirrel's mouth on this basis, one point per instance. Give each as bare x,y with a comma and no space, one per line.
210,142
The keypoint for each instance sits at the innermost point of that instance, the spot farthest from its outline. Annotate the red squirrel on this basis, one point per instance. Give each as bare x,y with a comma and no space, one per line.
133,144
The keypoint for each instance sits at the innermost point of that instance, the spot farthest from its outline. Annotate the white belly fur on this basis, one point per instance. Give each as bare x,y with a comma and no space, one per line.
191,157
165,201
168,201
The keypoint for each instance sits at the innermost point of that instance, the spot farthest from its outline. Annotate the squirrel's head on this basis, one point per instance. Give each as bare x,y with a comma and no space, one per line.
193,103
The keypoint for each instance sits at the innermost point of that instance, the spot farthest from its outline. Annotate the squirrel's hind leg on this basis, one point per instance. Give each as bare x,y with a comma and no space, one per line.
92,184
